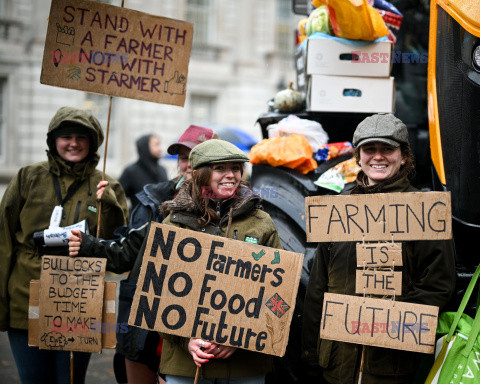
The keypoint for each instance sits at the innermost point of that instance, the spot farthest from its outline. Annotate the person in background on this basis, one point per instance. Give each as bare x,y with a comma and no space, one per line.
64,183
153,195
218,202
137,356
383,152
146,170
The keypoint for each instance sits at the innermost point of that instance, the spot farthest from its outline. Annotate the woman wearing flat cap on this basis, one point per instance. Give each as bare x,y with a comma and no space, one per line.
65,183
217,201
428,274
212,199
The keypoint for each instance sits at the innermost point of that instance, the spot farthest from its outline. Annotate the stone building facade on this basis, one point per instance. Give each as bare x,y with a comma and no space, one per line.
242,55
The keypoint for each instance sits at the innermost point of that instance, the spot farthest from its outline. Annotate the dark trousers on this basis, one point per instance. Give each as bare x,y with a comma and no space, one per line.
38,366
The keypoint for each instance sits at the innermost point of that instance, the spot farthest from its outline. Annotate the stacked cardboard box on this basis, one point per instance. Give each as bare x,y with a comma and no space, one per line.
340,77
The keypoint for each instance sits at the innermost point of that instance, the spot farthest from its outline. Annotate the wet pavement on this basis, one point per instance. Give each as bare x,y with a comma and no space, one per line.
100,368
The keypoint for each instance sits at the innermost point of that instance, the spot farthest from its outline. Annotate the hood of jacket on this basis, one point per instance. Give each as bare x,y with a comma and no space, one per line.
143,148
66,115
145,158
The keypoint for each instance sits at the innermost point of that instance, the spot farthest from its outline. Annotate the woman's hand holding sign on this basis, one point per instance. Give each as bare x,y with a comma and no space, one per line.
223,351
202,351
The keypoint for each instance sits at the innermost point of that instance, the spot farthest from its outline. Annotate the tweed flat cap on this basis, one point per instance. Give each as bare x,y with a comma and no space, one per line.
383,127
216,151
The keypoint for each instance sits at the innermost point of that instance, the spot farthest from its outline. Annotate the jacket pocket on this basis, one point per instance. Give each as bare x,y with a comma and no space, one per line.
325,353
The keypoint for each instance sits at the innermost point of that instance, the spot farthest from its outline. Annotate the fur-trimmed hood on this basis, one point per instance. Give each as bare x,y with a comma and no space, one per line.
246,200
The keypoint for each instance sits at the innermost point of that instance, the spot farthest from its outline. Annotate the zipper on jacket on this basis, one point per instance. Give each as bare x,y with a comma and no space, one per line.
77,212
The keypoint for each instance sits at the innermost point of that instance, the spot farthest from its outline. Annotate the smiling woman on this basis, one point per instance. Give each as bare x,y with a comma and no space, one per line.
72,147
382,149
428,272
58,192
231,210
380,161
225,179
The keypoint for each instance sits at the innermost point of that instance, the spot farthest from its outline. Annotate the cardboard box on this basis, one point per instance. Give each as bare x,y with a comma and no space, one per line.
330,57
109,323
378,217
350,94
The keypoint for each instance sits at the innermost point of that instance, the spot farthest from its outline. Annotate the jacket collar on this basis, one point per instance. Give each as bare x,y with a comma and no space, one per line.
82,170
397,183
183,209
157,192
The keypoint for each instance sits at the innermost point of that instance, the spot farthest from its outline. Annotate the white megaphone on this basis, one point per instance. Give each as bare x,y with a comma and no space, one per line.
58,236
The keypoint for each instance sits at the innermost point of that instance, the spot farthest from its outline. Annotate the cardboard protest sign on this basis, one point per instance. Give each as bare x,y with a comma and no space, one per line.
371,282
107,327
377,322
379,216
101,48
227,291
71,303
379,254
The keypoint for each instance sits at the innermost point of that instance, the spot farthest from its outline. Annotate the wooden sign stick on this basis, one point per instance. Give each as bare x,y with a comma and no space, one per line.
104,162
71,367
105,154
361,366
197,374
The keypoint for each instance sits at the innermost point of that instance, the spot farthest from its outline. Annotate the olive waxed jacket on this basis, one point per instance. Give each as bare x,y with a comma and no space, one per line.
248,222
28,203
428,277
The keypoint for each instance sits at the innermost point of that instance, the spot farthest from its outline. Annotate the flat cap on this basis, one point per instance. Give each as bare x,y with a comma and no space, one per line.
383,127
216,151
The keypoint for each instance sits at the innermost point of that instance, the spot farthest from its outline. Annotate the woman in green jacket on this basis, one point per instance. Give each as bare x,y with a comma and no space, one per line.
65,183
223,208
218,202
428,272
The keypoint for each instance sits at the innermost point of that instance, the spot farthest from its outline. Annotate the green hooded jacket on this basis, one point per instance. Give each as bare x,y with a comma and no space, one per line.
248,223
28,203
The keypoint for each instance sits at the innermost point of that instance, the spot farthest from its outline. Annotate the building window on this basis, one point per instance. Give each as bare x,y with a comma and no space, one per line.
203,109
202,14
5,20
285,20
199,12
3,9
